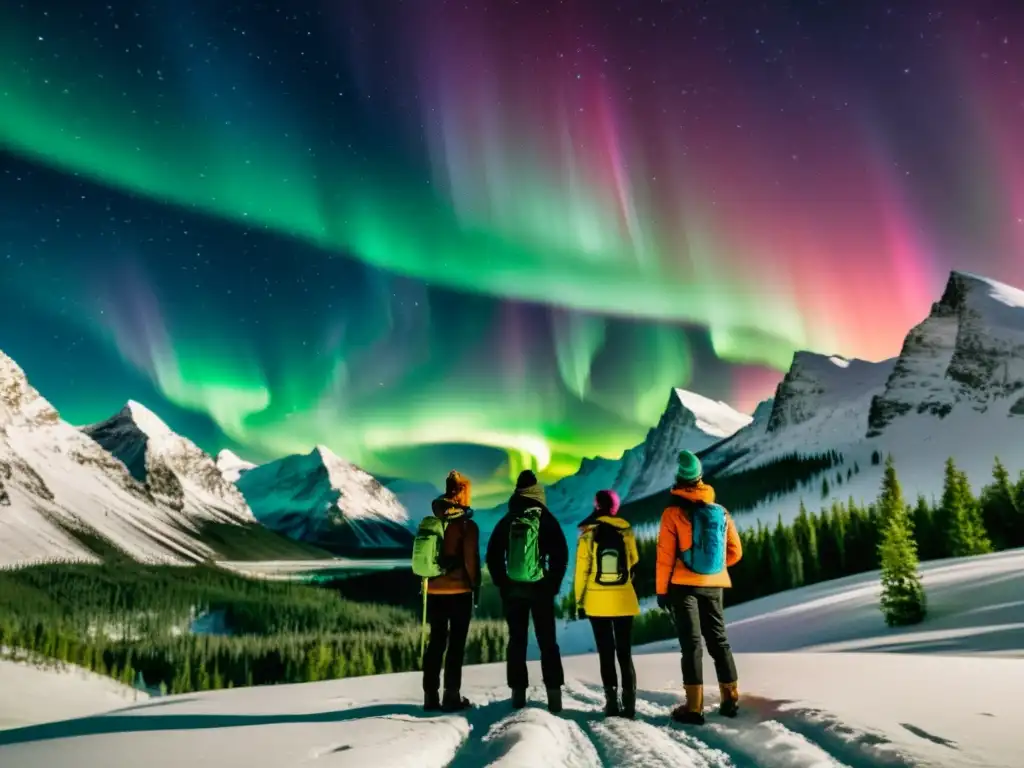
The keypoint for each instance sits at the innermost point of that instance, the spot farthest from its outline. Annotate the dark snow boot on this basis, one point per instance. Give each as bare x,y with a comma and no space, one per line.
730,706
628,703
611,702
692,711
554,700
454,702
518,698
431,701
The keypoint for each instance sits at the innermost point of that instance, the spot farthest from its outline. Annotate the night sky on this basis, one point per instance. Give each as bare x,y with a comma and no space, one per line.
486,234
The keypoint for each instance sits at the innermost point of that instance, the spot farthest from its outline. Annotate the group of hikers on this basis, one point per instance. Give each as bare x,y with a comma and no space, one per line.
528,556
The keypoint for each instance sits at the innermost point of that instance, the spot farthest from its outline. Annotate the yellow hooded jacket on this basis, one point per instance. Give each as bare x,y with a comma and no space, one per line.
604,600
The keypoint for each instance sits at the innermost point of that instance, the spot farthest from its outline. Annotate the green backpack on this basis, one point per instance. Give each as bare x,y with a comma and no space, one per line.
427,548
524,563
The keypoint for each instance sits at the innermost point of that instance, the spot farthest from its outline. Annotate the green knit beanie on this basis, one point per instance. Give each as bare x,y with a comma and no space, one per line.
689,469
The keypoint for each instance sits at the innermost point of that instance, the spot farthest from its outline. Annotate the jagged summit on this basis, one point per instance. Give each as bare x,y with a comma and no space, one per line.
969,350
145,420
690,421
177,471
60,483
19,400
231,465
713,417
815,383
322,499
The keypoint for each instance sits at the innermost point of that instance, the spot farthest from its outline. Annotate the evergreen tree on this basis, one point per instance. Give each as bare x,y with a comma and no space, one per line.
981,542
954,517
929,541
960,517
876,458
824,488
999,509
903,598
806,536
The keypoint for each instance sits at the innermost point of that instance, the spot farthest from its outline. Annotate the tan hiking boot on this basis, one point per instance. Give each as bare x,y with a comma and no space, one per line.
730,705
692,711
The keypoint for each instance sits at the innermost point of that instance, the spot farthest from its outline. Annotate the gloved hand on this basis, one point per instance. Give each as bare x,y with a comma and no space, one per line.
581,614
663,603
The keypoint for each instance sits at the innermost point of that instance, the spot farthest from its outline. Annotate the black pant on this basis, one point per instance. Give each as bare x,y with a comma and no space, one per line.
449,617
698,611
517,614
612,636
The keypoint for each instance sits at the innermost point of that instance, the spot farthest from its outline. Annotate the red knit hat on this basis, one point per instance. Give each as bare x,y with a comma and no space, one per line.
606,502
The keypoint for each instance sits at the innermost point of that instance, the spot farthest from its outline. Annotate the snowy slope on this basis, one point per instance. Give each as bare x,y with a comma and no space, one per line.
54,478
974,607
232,466
34,694
821,403
174,469
324,500
799,709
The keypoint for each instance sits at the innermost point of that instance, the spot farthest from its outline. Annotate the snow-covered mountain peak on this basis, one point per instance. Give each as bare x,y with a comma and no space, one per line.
19,399
970,349
231,465
980,288
177,471
816,383
713,417
11,375
329,458
322,499
690,421
146,421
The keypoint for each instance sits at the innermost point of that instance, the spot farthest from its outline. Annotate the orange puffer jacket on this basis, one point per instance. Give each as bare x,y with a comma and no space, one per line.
676,535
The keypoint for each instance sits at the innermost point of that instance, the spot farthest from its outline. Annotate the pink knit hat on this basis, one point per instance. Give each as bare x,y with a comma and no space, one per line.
606,502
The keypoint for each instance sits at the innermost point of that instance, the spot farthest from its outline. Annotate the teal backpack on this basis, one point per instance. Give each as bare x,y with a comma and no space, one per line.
427,548
524,561
710,525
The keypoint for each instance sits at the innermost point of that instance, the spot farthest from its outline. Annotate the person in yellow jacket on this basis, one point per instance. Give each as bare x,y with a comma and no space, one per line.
606,557
697,544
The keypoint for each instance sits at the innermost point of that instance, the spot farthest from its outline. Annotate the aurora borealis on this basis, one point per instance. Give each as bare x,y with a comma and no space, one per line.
486,234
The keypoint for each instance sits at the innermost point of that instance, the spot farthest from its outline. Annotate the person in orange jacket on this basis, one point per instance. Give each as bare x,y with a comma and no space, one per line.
451,597
697,543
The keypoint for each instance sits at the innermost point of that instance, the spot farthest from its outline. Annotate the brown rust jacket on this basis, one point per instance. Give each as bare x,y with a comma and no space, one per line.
461,549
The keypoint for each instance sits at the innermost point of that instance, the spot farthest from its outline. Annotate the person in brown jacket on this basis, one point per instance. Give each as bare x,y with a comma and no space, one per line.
451,597
697,544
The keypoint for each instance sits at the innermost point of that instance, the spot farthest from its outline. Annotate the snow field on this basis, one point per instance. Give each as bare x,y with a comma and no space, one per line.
800,711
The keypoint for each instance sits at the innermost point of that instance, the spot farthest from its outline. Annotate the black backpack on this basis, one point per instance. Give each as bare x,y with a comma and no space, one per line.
610,556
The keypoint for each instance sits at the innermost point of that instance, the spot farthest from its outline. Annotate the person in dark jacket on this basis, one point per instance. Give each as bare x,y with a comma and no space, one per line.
521,600
451,597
